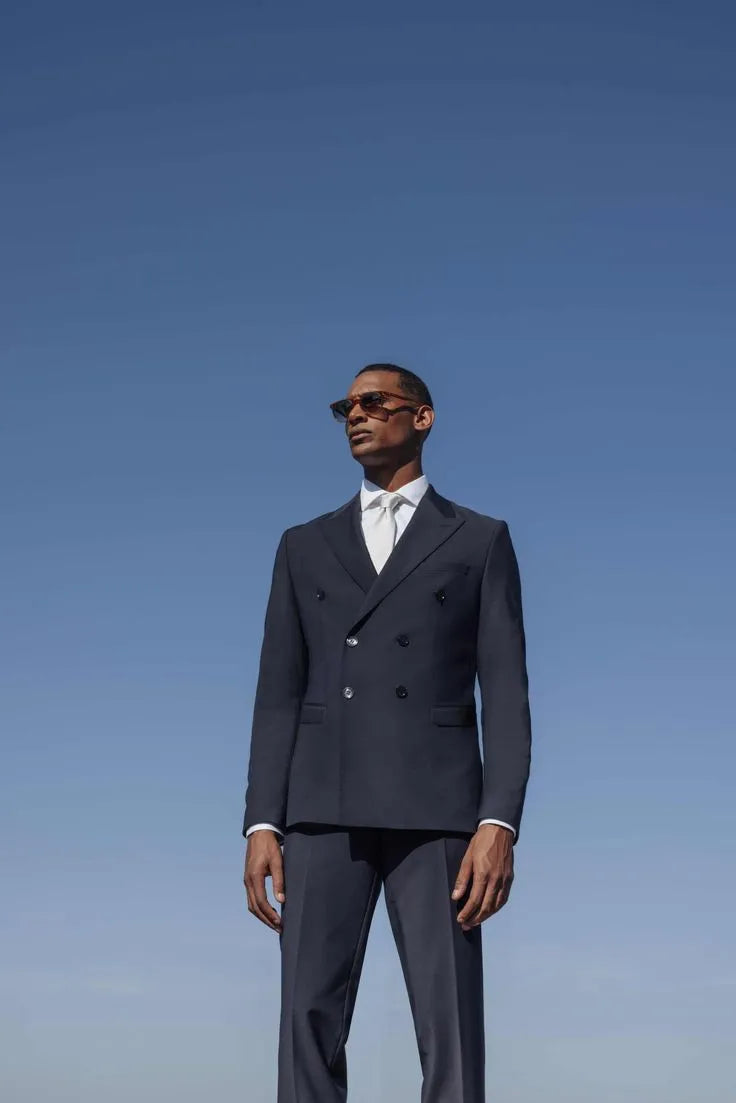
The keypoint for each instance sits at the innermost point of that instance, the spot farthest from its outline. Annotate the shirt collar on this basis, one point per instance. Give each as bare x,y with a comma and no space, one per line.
413,491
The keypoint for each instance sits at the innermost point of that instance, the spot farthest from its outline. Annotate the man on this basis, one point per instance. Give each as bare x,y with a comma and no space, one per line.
365,763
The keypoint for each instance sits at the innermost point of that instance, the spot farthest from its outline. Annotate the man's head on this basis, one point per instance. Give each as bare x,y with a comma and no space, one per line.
394,419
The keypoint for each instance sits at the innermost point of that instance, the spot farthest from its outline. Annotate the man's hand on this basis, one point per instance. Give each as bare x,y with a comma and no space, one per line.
263,857
489,863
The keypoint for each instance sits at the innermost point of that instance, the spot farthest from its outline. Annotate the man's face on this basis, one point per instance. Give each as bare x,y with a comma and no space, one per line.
376,436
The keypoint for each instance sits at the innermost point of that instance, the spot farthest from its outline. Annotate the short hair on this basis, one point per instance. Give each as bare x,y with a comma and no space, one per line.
409,383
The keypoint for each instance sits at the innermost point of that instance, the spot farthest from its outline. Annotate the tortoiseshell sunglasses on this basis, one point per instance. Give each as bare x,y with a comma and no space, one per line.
371,402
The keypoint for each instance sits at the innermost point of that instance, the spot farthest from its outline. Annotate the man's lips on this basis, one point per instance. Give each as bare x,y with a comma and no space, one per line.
359,434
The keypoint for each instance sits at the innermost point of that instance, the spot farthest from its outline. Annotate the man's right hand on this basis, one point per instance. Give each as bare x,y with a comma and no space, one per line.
263,858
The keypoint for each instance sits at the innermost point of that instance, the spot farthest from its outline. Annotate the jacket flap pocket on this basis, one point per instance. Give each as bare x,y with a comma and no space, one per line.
453,715
447,570
312,714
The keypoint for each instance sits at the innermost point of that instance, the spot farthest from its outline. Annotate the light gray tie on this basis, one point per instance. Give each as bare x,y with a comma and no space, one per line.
382,533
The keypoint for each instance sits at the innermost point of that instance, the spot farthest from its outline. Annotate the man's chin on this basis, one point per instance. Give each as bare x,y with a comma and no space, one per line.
364,449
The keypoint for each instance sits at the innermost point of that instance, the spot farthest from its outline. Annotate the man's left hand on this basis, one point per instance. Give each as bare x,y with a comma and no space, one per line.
489,864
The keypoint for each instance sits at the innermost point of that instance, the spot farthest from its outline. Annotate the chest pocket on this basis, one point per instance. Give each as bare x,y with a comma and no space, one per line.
445,579
449,572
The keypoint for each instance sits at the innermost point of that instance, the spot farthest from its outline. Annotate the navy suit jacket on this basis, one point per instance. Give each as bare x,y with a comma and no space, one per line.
365,711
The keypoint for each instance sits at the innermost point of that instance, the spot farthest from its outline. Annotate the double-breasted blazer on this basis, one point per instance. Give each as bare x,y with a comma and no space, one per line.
364,710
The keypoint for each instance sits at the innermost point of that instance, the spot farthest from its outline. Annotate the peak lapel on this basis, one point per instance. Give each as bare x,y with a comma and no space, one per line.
343,532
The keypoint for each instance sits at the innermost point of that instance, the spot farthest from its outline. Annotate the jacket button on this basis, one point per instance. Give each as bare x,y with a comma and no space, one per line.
401,691
348,691
403,640
351,641
440,595
320,595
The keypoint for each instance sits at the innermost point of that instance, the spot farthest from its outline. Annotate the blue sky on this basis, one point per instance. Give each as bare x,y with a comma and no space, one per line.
212,216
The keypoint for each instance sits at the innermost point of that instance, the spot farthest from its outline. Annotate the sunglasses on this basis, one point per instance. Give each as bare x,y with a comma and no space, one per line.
371,402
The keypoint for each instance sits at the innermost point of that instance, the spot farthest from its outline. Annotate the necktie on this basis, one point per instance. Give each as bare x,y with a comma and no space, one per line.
383,530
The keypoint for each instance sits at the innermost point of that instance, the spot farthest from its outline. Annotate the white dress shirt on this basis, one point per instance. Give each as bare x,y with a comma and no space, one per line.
413,492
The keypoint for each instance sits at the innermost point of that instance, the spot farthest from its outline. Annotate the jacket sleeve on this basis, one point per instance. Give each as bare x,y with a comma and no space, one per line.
282,678
502,677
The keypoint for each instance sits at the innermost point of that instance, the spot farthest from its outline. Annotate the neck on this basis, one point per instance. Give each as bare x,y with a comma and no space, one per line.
391,477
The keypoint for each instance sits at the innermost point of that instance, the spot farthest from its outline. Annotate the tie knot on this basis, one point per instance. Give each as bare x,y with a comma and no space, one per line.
390,499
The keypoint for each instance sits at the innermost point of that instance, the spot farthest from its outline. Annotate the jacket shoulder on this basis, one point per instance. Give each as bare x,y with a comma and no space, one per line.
483,521
313,522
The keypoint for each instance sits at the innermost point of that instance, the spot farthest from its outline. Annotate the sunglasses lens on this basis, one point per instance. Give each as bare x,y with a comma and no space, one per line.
371,400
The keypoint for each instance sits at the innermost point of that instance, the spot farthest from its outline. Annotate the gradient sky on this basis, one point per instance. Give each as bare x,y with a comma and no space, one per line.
212,216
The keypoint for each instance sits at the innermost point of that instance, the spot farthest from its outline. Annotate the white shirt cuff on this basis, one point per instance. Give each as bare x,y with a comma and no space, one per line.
501,823
260,826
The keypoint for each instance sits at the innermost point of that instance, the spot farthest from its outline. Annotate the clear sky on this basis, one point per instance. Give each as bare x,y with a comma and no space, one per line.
212,216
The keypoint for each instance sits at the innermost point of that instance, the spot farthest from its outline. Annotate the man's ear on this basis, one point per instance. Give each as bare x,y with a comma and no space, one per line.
430,419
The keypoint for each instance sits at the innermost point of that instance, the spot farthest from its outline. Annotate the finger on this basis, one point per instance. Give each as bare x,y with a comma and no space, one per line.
463,877
475,898
261,906
250,890
266,911
486,907
277,876
504,890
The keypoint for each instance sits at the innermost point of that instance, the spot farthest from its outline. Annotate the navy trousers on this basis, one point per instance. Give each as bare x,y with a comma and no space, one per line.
333,878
